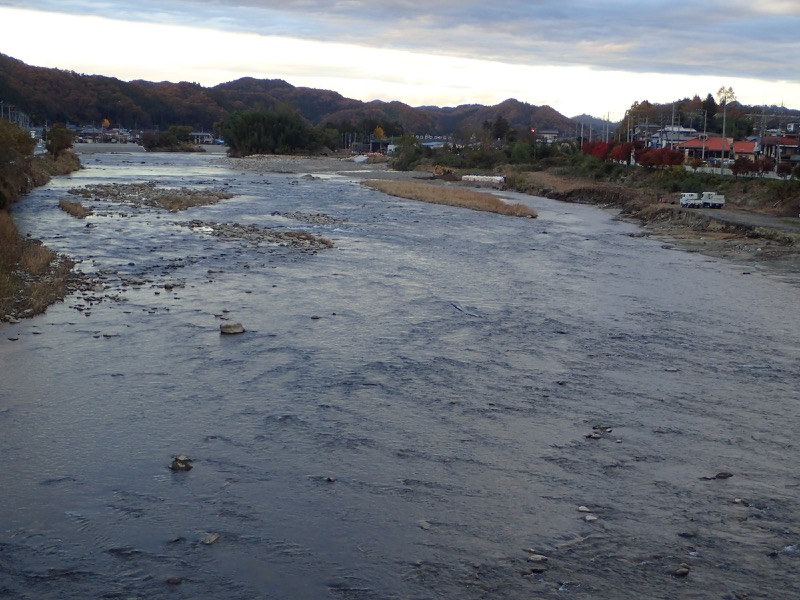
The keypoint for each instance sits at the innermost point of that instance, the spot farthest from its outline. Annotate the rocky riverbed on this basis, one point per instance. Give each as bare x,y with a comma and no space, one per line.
445,404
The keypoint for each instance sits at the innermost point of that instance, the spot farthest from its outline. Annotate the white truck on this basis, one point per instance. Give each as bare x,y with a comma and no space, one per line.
712,200
704,200
690,200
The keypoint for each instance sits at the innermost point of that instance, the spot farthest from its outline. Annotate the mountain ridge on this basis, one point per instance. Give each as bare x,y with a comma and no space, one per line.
57,95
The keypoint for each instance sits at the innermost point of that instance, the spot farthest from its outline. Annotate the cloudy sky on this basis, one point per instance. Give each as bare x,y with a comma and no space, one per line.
578,56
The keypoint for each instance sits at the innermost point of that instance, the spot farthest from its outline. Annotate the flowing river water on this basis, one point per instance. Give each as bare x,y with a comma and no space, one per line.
406,415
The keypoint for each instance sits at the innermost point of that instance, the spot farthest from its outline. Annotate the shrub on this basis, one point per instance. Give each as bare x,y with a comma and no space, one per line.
59,138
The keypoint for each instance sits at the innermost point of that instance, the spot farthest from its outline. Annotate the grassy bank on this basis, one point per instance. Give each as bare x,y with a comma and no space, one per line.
32,277
439,194
608,182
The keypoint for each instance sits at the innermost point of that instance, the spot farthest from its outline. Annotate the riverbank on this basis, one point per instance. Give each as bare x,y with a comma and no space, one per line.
741,232
32,277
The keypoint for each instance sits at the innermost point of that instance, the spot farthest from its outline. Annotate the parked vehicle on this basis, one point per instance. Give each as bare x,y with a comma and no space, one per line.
712,200
690,200
704,200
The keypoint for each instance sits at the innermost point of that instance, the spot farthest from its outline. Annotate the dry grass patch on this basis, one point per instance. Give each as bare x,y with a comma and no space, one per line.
32,277
35,258
451,196
76,209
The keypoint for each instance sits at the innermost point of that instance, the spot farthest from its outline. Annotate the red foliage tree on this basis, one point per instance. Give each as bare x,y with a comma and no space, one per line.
622,152
597,148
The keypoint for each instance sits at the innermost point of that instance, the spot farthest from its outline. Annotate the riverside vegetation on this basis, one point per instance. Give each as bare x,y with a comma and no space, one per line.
31,276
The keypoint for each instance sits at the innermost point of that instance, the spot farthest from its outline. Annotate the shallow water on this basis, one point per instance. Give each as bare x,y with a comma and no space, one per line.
421,434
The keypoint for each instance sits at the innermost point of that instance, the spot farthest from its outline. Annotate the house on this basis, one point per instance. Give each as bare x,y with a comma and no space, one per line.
672,136
781,148
749,149
707,147
201,137
546,136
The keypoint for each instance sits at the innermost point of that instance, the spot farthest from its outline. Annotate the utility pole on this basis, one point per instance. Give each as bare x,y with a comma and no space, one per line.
705,135
724,94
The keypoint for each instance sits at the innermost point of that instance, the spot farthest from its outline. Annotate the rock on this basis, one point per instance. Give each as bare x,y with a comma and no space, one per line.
682,571
424,525
181,463
593,436
537,558
231,328
720,475
536,569
210,539
174,581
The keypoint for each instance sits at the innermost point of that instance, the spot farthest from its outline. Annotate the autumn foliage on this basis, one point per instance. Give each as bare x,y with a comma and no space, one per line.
622,151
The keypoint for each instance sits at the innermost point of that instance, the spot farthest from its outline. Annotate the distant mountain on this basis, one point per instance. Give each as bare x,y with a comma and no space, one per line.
55,95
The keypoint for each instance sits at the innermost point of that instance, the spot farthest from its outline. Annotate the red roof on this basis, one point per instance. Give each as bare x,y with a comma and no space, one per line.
713,144
779,141
744,147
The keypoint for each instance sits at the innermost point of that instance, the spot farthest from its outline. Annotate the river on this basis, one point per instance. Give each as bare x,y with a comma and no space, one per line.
446,404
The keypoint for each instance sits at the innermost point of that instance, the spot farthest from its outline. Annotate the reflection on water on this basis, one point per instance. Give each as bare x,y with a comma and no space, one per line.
406,415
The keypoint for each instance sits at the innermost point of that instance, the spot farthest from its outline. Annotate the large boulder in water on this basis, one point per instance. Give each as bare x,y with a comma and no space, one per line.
231,328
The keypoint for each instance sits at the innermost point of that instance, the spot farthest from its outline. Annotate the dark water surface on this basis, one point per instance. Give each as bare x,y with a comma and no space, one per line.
422,434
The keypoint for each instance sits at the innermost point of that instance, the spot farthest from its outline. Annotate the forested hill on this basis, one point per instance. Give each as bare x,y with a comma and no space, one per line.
55,95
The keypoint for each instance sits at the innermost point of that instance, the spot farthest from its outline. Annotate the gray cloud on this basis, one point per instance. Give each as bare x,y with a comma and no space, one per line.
733,38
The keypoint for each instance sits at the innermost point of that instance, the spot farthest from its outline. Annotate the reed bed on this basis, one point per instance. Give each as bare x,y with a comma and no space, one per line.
76,209
450,196
31,275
